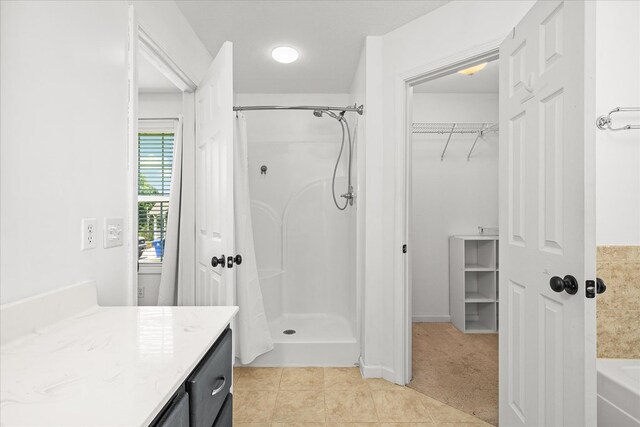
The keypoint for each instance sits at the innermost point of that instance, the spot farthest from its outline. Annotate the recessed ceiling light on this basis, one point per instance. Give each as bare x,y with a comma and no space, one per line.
285,54
472,70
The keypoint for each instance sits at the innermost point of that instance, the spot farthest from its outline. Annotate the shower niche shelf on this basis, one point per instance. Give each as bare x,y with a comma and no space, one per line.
473,283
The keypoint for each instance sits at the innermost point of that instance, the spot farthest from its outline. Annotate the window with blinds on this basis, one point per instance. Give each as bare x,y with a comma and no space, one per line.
155,162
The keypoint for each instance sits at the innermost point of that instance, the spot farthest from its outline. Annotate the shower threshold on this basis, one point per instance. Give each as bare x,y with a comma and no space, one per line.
318,340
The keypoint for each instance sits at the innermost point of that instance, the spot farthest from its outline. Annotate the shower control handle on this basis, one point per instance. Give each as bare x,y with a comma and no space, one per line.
218,261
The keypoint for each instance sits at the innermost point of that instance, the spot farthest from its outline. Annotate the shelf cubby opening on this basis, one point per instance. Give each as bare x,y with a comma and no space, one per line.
479,255
480,317
480,286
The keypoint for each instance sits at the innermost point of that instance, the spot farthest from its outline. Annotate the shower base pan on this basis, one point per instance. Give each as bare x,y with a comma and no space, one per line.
310,340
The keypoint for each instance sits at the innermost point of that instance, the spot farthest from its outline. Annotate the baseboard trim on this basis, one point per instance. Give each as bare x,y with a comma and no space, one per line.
431,318
369,371
376,371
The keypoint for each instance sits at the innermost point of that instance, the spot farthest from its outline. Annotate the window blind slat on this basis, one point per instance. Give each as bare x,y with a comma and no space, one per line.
155,162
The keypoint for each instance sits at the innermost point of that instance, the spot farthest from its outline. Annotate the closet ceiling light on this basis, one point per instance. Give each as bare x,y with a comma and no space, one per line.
285,54
472,70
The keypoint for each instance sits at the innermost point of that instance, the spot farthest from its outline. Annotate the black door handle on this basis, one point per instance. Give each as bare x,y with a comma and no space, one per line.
568,284
594,288
231,260
218,261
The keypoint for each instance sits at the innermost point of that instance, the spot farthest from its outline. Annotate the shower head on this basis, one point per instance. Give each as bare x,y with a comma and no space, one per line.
319,113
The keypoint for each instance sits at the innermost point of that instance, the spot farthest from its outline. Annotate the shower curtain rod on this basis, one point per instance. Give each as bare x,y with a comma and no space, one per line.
158,119
357,108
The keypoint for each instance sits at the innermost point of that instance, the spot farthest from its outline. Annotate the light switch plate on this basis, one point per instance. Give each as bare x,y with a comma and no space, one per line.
89,233
113,232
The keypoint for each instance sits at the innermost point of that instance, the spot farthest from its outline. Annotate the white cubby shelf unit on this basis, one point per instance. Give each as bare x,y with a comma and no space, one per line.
473,283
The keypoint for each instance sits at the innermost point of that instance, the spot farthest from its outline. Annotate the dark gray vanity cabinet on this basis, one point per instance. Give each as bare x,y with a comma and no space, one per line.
204,400
225,416
177,414
210,383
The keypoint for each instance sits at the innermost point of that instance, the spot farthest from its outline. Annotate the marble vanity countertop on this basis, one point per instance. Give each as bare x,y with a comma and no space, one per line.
105,366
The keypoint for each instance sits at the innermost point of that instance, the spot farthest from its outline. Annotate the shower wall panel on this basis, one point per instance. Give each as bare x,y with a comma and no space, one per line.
305,246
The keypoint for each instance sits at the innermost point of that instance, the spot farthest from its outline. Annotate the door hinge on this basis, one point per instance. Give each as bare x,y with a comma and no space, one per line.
404,249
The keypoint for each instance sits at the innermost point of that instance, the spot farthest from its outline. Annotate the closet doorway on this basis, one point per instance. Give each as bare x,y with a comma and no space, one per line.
161,123
453,219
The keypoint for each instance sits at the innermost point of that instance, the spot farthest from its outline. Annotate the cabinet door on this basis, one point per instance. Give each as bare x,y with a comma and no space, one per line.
178,413
225,417
210,383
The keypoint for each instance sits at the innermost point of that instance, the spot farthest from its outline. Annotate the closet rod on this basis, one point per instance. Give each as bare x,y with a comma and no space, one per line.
158,119
356,108
457,128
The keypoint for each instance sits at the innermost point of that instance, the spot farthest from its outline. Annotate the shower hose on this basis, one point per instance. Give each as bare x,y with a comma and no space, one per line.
348,195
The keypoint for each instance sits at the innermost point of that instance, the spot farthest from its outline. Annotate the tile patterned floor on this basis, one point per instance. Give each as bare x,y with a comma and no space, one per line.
458,369
334,397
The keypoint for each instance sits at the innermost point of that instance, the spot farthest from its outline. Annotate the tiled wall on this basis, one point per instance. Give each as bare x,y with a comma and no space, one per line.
618,309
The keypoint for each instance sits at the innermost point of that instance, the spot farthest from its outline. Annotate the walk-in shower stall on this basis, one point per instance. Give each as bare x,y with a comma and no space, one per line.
303,216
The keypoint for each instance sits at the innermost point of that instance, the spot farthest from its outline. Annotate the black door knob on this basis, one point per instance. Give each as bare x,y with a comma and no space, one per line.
218,261
600,286
231,260
568,284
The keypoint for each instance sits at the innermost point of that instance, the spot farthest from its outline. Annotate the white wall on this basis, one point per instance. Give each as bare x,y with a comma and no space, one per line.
375,325
292,208
440,37
64,144
152,104
64,137
358,96
449,197
618,153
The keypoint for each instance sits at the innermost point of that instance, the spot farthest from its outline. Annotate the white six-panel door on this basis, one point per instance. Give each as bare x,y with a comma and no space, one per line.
547,210
214,181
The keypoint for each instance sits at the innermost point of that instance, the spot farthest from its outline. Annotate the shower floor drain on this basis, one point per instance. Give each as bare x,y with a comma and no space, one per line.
289,331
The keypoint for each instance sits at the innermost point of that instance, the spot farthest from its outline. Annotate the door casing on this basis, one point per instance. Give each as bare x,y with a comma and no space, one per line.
402,262
141,42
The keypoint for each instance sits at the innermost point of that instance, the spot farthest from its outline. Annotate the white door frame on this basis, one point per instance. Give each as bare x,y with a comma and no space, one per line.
402,286
140,42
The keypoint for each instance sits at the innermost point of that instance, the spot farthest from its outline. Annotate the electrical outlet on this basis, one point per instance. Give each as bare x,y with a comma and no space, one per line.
89,234
140,291
113,229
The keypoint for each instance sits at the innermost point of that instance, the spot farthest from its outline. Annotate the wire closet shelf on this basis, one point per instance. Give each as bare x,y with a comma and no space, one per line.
477,129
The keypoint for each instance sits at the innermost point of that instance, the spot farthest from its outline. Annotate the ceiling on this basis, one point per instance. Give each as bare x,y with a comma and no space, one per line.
485,81
150,79
328,34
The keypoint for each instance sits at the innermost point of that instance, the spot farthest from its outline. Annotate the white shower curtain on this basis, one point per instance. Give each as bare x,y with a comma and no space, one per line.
169,284
253,335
